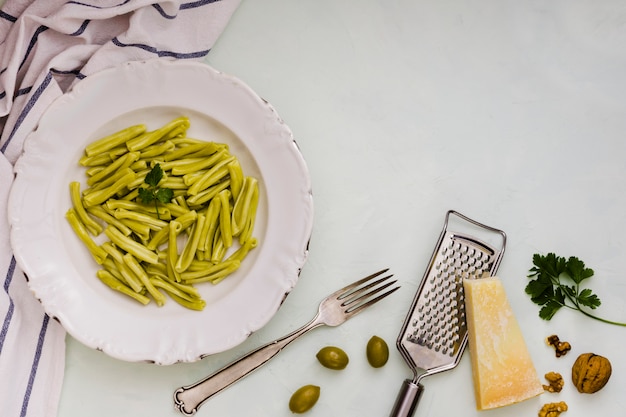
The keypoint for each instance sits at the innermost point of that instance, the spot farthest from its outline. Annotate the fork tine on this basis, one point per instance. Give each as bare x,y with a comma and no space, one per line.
347,290
359,292
357,296
358,308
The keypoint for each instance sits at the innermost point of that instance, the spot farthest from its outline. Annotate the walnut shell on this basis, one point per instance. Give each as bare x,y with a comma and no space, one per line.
591,372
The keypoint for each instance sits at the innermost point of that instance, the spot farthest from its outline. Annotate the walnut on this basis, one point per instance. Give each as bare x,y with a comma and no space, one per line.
560,348
553,409
591,372
555,380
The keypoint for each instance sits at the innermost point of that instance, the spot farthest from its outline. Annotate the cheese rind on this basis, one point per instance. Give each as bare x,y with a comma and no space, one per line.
502,368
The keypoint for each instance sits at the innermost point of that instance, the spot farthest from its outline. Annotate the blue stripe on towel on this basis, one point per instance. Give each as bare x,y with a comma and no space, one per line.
195,4
7,318
162,12
32,43
42,29
184,6
75,72
78,3
27,108
152,49
23,91
8,17
35,365
81,29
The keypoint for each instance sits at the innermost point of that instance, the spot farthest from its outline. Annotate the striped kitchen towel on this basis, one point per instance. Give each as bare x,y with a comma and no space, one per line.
46,46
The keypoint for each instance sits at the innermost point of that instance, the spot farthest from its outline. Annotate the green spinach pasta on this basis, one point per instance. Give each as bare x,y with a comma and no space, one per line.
172,211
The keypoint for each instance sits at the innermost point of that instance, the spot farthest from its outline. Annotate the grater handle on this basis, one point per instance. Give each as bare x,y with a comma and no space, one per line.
407,399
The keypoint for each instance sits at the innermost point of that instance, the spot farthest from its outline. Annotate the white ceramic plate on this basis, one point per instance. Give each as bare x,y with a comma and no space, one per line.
60,269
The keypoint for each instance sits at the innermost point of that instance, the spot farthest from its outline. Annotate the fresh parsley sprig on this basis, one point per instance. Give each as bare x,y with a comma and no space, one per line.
557,282
153,193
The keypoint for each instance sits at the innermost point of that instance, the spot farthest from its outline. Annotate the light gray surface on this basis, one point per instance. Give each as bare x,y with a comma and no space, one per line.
511,112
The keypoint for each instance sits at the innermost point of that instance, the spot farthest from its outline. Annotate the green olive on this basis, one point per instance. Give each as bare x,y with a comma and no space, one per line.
333,357
304,399
377,352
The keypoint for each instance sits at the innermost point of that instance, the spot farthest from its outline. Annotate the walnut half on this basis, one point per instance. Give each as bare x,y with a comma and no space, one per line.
560,348
555,380
553,409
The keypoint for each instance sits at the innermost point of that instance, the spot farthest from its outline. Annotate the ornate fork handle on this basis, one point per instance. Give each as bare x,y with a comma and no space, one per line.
187,399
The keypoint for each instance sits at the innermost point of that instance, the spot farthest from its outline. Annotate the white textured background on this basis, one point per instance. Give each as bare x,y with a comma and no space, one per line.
511,112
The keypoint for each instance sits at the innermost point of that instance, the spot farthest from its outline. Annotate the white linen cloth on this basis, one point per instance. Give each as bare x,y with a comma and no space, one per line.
46,47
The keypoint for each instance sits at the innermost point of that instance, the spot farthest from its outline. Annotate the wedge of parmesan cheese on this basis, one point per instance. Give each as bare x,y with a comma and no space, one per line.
502,369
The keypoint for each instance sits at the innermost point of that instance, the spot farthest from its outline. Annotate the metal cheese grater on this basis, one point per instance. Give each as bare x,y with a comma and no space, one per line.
434,333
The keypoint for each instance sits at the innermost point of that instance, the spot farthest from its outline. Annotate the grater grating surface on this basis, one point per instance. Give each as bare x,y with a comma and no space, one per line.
434,334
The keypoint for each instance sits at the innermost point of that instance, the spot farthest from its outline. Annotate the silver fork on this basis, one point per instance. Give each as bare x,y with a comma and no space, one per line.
333,311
